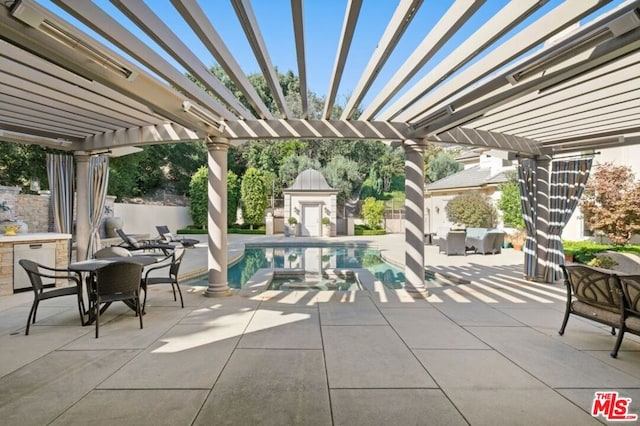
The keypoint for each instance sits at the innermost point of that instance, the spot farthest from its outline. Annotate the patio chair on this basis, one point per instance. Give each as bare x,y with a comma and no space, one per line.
172,262
630,285
131,244
113,251
593,294
498,242
482,244
36,272
116,282
454,243
167,237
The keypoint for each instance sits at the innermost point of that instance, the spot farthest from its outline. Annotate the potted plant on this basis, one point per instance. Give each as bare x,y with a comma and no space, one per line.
111,223
326,226
293,226
518,238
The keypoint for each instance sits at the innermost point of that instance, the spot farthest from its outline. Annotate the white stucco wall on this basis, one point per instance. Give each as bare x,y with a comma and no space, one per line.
143,218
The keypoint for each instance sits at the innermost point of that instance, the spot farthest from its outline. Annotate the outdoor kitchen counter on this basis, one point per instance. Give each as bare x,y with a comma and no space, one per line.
57,245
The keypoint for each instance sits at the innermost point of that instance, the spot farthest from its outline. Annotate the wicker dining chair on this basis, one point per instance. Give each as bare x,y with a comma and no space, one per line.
118,281
113,251
36,272
171,278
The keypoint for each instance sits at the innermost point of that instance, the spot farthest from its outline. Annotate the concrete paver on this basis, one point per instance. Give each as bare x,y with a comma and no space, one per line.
482,348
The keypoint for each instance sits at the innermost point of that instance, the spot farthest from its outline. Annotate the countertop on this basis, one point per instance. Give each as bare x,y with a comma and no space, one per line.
34,236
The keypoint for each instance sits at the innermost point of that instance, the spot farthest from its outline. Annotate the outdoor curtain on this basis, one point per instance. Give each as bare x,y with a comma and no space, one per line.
98,180
568,180
527,185
60,173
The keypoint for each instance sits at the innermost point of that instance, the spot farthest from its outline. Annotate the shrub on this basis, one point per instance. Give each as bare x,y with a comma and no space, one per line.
606,262
198,202
373,212
254,196
510,203
292,220
473,209
365,230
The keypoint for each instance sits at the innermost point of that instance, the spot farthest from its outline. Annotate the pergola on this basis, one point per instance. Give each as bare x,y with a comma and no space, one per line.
528,81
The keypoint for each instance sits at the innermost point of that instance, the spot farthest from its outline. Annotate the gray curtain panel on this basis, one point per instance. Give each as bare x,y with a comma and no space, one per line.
60,172
98,181
527,184
568,180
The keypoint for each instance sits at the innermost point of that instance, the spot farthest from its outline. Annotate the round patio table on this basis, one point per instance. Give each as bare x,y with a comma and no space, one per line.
91,266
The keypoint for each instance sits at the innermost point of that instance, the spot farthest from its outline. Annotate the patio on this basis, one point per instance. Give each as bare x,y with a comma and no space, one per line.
486,352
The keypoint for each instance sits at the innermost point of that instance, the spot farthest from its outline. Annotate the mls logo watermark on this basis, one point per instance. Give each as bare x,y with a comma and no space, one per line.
612,407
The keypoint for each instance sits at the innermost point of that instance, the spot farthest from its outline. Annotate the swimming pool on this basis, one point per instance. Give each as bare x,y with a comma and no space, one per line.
314,259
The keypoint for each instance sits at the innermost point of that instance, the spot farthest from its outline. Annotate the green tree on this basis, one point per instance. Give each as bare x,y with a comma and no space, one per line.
342,174
20,163
610,202
181,161
442,165
510,203
373,212
233,196
254,196
293,166
472,209
198,197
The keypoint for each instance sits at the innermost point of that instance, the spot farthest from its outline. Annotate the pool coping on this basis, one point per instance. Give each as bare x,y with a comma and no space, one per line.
257,286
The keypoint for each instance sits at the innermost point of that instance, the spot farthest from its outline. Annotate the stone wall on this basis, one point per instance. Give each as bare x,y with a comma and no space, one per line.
32,209
35,211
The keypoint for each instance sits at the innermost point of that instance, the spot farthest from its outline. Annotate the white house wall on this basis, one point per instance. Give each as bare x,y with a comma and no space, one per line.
621,156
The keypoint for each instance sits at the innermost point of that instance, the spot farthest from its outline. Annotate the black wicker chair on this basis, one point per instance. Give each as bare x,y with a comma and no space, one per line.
171,278
116,282
113,251
36,272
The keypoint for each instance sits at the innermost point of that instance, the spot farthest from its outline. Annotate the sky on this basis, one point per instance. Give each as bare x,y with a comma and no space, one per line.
323,26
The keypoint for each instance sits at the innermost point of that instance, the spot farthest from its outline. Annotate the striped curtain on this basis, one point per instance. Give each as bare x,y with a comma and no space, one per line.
98,180
568,180
528,187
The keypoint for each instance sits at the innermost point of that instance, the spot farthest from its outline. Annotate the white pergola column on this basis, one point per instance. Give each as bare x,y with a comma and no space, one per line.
414,216
82,204
217,217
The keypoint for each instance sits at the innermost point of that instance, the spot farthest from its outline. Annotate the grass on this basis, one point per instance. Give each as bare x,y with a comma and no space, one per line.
584,251
363,230
233,229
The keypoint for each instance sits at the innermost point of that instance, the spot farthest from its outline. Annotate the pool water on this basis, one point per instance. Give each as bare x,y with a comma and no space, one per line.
324,282
313,260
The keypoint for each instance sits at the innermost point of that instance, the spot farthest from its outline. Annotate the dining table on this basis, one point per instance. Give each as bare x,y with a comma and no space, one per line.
90,267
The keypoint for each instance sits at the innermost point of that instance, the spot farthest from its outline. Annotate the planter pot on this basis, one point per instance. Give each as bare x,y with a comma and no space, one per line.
111,224
568,258
517,247
326,230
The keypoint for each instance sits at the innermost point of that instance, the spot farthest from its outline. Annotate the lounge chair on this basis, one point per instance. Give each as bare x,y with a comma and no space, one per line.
131,244
167,237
